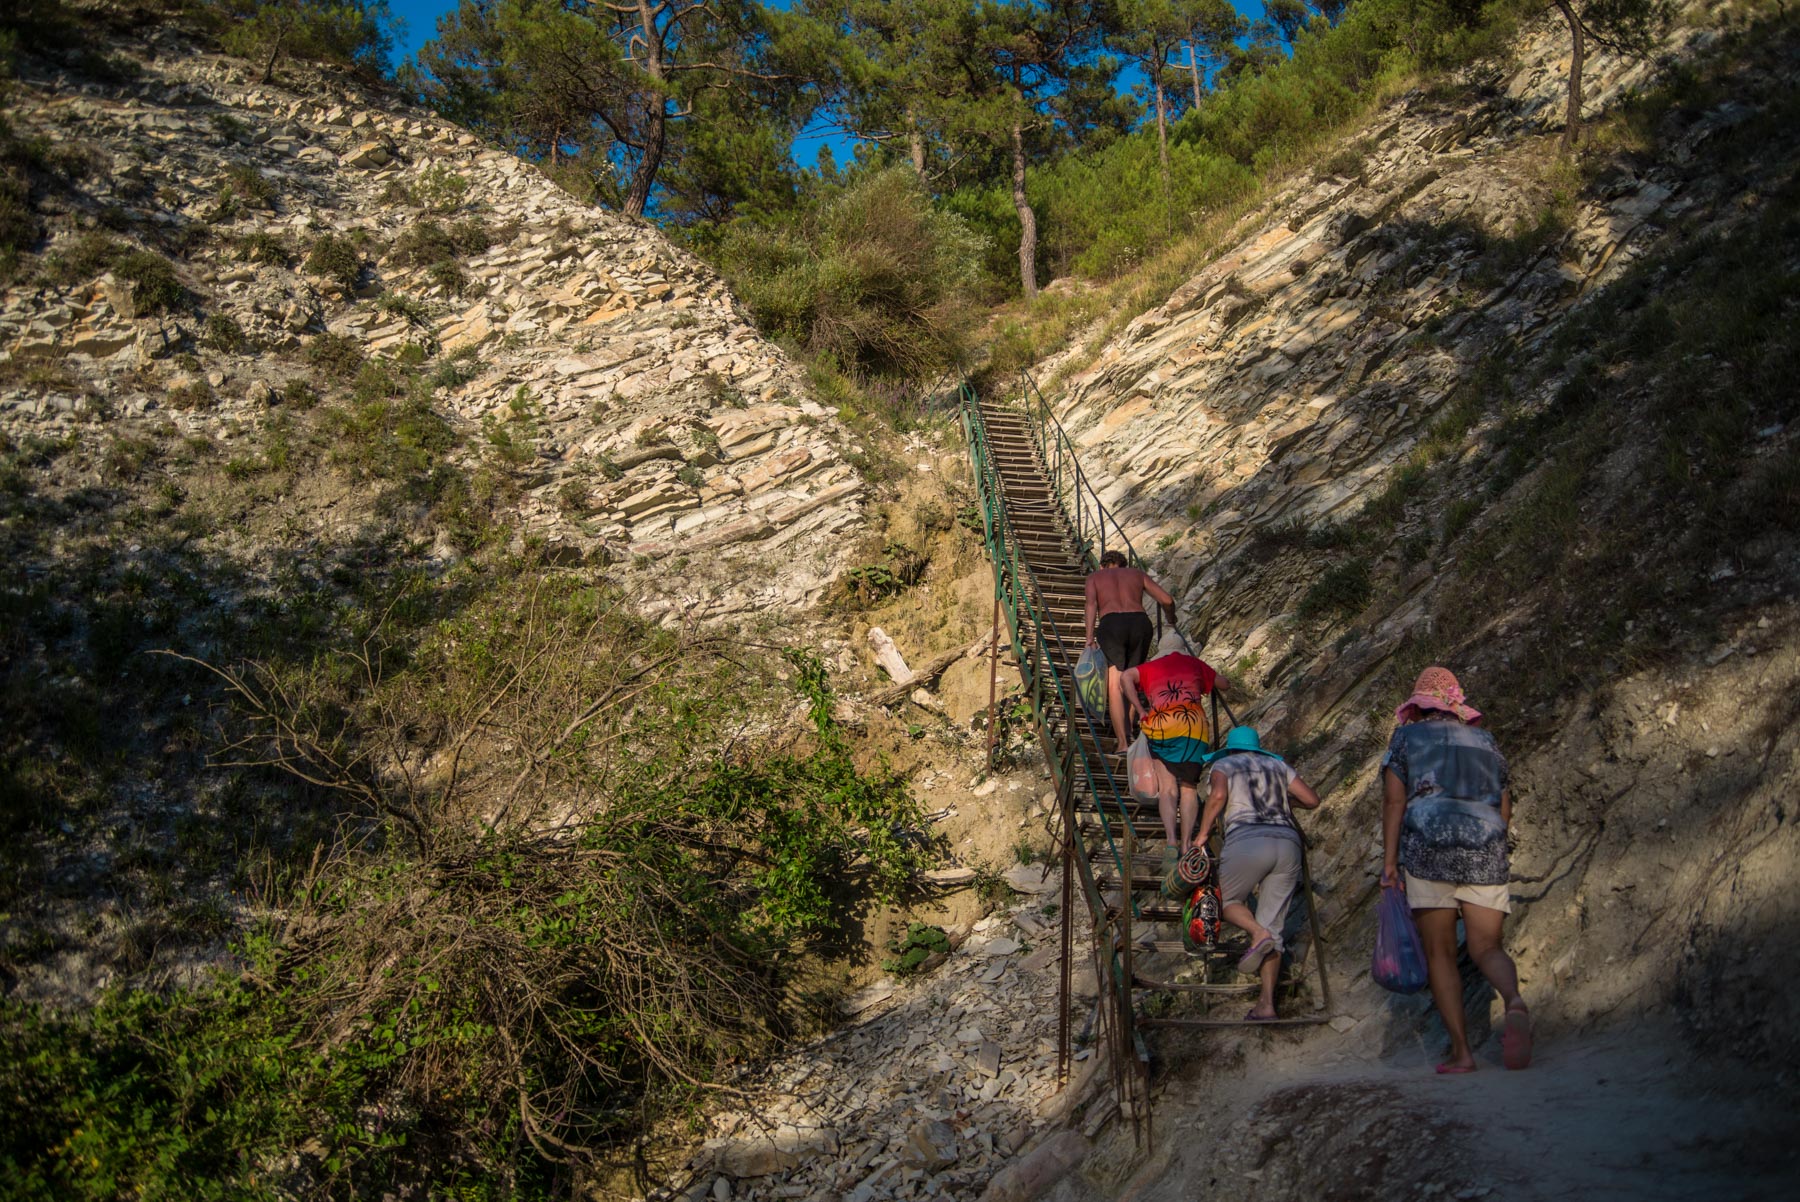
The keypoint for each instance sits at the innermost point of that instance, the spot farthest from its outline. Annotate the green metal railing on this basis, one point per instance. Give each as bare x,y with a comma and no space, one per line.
1038,647
1022,602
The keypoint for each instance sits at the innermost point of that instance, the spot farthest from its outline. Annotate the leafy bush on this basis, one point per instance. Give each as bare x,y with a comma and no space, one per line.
353,33
335,355
479,1000
337,259
876,278
423,243
262,247
919,944
1343,589
441,190
222,333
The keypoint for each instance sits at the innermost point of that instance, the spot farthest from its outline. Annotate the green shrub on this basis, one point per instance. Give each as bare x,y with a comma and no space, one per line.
19,224
919,944
352,33
222,333
423,243
398,304
263,247
397,192
877,278
449,276
83,258
195,394
471,236
336,259
1343,589
298,394
335,355
442,190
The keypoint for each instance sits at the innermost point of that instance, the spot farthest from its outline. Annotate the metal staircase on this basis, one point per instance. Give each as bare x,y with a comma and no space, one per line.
1045,530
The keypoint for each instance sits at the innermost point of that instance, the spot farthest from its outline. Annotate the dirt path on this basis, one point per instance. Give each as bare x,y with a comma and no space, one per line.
1596,1118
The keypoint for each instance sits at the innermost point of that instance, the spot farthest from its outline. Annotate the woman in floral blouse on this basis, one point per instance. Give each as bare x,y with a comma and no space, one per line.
1446,809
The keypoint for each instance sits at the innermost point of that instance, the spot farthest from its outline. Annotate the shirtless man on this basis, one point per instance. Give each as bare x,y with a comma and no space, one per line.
1118,625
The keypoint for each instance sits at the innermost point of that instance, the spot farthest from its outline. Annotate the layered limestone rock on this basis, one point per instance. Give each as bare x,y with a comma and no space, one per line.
659,424
1283,384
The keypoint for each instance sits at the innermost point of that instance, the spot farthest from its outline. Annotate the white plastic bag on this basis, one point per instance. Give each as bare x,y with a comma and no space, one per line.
1140,766
1090,681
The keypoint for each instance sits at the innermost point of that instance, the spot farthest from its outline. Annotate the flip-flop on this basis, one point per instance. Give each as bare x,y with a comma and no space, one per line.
1451,1070
1515,1038
1259,951
1254,1017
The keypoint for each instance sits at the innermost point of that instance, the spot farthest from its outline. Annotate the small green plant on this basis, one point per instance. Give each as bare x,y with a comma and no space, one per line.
221,332
336,259
442,190
335,355
249,187
298,394
263,247
152,281
193,394
900,568
397,192
918,945
414,312
1343,589
690,476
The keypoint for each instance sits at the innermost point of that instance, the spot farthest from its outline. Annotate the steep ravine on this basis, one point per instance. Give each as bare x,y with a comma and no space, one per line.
1436,413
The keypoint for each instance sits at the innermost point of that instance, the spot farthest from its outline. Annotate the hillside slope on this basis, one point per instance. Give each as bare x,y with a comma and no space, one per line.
645,413
273,358
1459,402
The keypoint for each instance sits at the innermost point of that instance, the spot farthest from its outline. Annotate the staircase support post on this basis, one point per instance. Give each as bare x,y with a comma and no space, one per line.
993,679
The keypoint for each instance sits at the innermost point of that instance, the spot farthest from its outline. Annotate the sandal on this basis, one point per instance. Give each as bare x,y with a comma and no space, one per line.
1259,951
1515,1038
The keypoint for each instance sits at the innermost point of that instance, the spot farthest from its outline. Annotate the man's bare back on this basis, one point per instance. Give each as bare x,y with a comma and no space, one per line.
1121,590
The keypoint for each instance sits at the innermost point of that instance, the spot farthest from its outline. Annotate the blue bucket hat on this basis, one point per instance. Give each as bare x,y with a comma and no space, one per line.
1242,738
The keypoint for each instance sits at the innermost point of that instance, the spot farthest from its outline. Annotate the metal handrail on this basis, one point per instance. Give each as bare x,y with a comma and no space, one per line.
1003,552
1089,517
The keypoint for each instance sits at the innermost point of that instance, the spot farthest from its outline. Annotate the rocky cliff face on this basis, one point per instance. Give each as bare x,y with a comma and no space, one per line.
659,423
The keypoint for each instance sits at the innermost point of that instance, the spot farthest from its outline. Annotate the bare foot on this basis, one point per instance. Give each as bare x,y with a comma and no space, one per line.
1464,1063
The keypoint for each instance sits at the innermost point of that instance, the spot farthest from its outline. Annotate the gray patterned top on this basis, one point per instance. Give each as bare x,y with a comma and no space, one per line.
1454,775
1256,793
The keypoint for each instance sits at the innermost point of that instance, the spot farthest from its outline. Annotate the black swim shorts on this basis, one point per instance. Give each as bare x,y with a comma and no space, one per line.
1125,639
1187,772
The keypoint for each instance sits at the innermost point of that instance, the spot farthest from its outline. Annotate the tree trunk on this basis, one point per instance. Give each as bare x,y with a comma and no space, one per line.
1578,41
1027,219
268,75
1162,134
915,143
1194,66
644,178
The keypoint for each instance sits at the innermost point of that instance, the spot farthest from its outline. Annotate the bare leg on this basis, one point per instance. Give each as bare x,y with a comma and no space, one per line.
1482,926
1437,930
1265,1003
1115,705
1190,813
1239,915
1166,794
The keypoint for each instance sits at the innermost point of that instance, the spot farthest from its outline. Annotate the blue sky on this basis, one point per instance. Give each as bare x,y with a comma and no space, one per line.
421,17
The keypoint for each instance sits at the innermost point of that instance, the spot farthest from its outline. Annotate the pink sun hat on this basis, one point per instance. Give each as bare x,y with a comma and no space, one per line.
1436,689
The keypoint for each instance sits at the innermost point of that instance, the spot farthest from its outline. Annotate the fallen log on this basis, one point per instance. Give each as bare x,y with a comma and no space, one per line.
930,672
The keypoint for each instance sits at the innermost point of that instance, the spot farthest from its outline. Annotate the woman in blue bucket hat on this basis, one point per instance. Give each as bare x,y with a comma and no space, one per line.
1252,789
